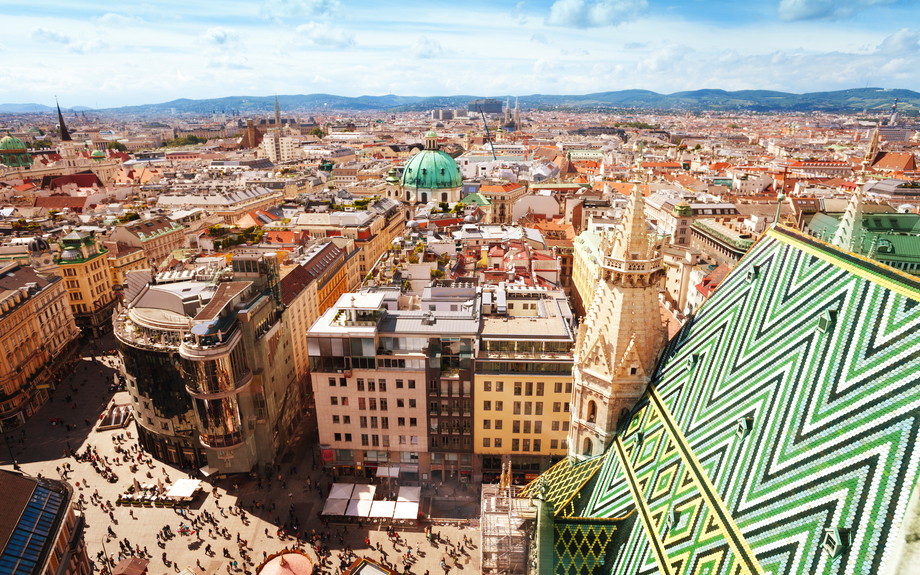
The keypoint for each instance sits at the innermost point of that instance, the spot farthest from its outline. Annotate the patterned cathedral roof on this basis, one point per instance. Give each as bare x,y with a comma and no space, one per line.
778,434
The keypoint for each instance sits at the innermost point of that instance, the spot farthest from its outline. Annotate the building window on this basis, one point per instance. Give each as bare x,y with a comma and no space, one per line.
364,440
565,425
371,386
413,422
331,382
539,408
498,442
568,387
346,419
516,410
383,385
557,406
499,386
539,389
487,386
515,445
554,444
538,426
516,426
498,405
400,403
498,424
334,400
555,426
383,404
401,421
486,423
360,384
413,440
485,442
399,384
411,384
526,445
566,407
363,422
344,401
487,406
528,408
517,388
373,423
527,426
402,439
338,437
347,437
528,388
412,404
362,403
335,419
536,445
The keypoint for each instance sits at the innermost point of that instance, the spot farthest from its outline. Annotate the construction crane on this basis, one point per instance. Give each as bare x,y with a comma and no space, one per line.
488,135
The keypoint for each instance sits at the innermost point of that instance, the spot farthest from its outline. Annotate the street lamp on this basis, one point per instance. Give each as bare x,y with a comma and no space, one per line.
13,459
105,555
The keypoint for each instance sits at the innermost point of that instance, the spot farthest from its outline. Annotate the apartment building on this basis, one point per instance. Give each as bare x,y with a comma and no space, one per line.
522,381
84,265
158,237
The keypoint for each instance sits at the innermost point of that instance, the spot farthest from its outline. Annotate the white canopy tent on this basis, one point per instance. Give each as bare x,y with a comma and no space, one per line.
183,488
383,509
359,508
410,494
384,471
364,492
335,507
341,490
406,510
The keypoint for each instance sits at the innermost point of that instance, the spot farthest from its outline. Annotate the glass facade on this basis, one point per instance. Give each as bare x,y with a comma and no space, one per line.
158,376
214,376
219,421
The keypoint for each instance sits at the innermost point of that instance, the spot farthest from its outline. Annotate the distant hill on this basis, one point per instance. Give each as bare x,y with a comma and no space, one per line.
35,109
855,100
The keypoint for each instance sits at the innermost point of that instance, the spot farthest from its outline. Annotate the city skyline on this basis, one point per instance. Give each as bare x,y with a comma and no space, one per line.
108,55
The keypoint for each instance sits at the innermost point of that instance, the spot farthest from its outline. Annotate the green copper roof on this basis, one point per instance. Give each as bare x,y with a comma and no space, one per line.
477,199
433,170
9,142
785,411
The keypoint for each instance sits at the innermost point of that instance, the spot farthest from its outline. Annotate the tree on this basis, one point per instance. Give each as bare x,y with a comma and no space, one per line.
437,274
42,144
117,146
318,133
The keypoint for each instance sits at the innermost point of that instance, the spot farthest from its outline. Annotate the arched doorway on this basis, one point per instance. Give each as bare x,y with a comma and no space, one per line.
589,448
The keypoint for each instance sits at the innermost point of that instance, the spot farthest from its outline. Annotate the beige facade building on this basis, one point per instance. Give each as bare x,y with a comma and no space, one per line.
522,381
619,340
85,269
503,196
123,258
158,237
37,335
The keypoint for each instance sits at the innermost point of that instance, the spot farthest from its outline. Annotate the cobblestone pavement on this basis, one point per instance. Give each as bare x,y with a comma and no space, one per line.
44,450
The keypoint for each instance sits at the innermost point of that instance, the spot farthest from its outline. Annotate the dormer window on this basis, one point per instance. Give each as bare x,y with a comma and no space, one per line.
827,320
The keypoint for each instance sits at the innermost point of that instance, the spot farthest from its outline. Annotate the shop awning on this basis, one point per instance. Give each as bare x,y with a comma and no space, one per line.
391,471
383,509
183,488
364,492
335,507
341,490
359,508
409,494
406,510
208,471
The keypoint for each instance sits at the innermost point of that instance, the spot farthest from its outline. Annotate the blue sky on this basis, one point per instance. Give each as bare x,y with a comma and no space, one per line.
104,54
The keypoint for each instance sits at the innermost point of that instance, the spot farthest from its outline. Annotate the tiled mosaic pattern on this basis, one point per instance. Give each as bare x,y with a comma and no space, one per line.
562,482
788,406
583,546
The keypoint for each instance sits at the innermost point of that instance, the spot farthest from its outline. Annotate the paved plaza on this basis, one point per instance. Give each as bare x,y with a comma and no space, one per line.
44,450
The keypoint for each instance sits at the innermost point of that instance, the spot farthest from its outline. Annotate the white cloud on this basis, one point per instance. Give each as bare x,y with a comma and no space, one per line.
539,38
219,36
93,45
303,9
594,13
543,66
325,35
519,14
426,48
635,45
46,35
574,52
113,19
904,41
320,80
824,9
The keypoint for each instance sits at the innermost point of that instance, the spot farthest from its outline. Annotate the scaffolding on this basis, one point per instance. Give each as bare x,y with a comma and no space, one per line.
507,522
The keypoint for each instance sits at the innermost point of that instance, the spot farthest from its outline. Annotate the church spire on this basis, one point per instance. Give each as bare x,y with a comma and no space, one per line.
65,135
631,241
851,223
277,114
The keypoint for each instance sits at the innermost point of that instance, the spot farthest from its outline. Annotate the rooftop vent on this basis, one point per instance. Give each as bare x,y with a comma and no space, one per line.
745,425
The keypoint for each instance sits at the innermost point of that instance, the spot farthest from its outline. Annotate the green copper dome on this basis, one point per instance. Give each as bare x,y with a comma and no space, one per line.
431,134
14,153
392,177
97,155
432,170
11,143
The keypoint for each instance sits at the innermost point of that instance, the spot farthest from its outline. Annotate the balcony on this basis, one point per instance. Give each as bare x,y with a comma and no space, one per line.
221,441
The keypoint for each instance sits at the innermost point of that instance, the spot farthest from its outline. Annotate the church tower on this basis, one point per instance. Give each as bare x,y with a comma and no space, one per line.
68,154
277,115
619,341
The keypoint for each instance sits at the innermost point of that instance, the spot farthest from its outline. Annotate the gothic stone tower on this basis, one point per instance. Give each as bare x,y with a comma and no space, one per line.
619,341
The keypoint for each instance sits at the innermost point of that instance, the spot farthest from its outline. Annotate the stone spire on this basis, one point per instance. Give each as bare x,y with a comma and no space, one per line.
621,336
517,115
65,135
277,114
851,223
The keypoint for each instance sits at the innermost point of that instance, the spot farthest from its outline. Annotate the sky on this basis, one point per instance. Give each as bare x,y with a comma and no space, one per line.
105,54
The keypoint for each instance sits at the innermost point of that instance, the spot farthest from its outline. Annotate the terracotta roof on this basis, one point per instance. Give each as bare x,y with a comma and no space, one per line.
59,202
898,161
293,283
